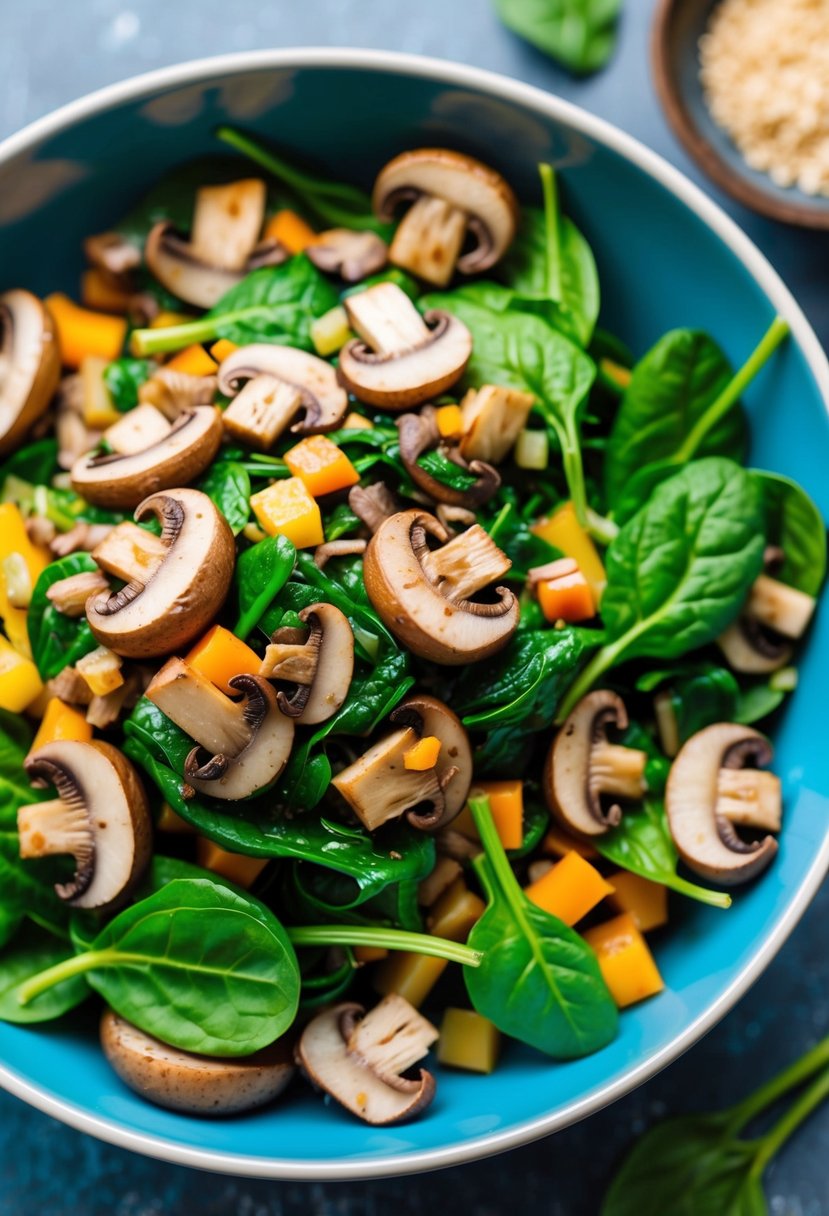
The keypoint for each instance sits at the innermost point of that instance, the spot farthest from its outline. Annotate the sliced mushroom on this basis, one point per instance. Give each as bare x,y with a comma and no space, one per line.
101,818
350,254
175,393
359,1062
710,791
319,665
179,598
400,358
29,365
582,765
112,252
197,1085
424,596
418,434
129,552
373,504
450,194
69,595
185,451
247,742
337,548
378,787
774,614
137,430
305,383
493,418
430,717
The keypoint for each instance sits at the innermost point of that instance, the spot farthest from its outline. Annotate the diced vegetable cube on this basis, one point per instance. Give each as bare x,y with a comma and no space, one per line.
20,683
331,331
220,656
532,450
236,867
101,669
570,889
449,420
290,230
454,914
61,721
646,901
506,800
100,290
412,976
321,465
82,332
468,1041
15,541
626,963
563,530
286,508
98,409
424,754
194,361
356,422
370,954
566,595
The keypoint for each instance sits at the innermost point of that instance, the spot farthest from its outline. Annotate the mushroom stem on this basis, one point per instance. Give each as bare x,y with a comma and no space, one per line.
53,828
130,553
287,661
779,607
465,565
384,322
618,771
262,410
200,709
429,239
750,797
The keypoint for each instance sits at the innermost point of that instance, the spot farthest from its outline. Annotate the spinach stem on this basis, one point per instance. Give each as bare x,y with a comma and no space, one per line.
390,939
804,1068
173,337
79,964
552,231
496,858
800,1110
703,895
768,344
274,164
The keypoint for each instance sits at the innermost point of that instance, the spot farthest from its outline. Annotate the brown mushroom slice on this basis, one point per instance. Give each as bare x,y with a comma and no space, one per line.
101,817
350,254
175,393
424,596
709,792
418,434
431,717
227,221
493,417
182,594
373,504
337,548
241,746
196,1085
129,552
374,1091
176,265
119,482
400,358
320,665
450,194
378,787
582,765
69,595
29,365
774,615
311,385
112,253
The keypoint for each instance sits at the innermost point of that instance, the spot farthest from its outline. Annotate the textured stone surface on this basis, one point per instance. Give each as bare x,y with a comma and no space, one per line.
52,52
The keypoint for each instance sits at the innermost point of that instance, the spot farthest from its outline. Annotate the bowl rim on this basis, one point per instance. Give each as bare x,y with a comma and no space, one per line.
794,211
672,179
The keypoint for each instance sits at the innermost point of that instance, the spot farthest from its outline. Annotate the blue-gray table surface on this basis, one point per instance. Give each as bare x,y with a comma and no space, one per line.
52,51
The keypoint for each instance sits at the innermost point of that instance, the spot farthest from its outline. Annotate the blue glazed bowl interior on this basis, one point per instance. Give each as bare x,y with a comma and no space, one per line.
661,265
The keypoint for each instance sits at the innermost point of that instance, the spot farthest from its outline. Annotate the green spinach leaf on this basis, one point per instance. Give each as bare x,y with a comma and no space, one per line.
35,463
261,573
227,484
794,523
57,640
521,685
580,34
34,951
124,377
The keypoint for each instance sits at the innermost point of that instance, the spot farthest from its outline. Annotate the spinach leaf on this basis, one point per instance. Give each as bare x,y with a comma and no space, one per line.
512,535
504,752
196,965
123,378
35,463
701,694
34,951
336,204
679,571
445,470
538,981
525,352
261,573
551,268
642,843
580,34
794,523
227,484
275,304
521,685
58,641
757,700
316,895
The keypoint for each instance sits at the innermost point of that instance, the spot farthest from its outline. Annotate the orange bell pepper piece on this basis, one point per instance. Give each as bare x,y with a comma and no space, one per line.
566,595
290,230
321,466
570,890
82,332
220,655
194,361
625,961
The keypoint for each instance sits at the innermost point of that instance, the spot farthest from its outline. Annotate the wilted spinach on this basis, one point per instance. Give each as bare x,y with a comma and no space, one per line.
795,525
57,640
227,484
261,573
35,463
521,685
124,377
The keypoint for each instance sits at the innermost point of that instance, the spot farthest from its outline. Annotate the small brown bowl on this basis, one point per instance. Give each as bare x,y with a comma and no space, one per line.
678,25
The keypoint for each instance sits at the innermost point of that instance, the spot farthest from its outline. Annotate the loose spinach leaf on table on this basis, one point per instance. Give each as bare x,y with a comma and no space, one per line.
32,952
261,573
679,571
57,640
124,377
794,523
227,484
580,34
522,684
538,981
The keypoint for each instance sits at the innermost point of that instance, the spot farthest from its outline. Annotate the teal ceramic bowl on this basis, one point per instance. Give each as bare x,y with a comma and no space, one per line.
667,256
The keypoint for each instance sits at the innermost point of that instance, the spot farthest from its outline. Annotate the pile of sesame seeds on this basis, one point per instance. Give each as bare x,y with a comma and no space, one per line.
765,71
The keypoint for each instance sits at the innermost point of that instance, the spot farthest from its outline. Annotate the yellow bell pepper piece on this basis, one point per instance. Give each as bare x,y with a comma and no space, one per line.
221,349
468,1041
564,532
626,963
61,721
453,915
98,409
236,867
646,901
356,422
82,332
166,319
290,230
424,754
170,821
412,976
20,683
569,890
14,540
101,669
321,466
286,508
506,801
331,331
220,656
193,361
449,420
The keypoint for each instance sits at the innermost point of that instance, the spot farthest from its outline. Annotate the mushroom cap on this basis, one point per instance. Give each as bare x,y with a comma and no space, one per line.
322,1054
324,400
29,364
183,594
705,841
570,788
197,1085
352,255
261,761
97,777
752,650
463,181
418,433
121,482
335,663
414,609
429,716
177,266
395,381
